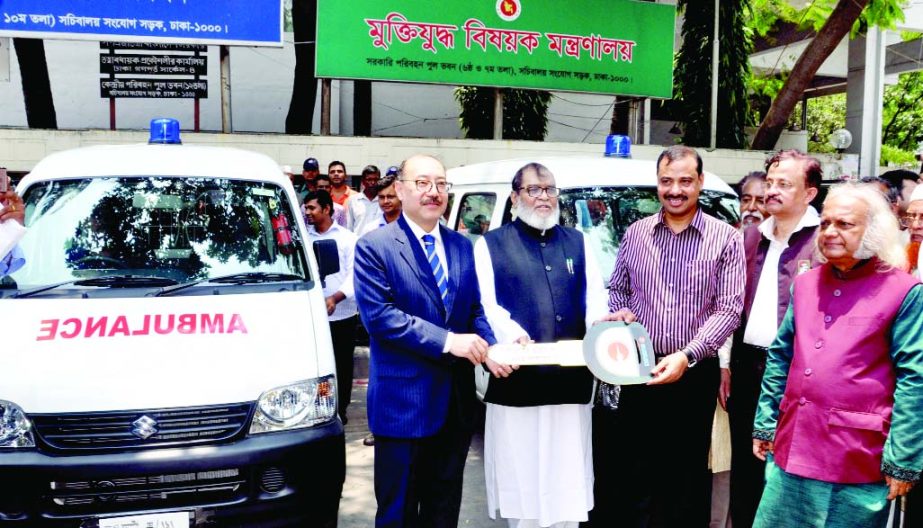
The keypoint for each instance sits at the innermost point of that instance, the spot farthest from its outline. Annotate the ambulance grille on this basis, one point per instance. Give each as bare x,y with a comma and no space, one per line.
142,429
147,491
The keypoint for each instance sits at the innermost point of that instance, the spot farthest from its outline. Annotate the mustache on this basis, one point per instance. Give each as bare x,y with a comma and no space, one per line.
433,201
676,197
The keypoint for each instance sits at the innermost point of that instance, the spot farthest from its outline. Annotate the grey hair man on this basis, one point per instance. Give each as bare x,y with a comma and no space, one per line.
539,282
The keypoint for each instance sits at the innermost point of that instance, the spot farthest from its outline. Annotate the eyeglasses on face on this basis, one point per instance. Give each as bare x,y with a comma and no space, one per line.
425,186
782,185
534,191
909,219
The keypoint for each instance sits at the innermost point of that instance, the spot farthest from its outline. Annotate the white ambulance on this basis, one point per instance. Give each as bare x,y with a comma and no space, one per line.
166,358
600,196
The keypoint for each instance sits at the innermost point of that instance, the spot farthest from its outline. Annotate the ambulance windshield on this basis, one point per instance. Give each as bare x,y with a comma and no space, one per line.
181,229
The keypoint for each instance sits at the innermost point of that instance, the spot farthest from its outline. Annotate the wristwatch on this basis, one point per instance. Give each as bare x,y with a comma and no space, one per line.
690,357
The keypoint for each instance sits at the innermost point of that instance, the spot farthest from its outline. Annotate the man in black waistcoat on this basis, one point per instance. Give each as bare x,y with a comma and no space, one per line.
539,282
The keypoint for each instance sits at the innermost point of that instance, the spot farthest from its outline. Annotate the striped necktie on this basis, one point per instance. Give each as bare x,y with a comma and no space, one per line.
442,281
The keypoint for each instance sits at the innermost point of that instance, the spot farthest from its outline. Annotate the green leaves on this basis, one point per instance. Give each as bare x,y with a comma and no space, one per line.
524,112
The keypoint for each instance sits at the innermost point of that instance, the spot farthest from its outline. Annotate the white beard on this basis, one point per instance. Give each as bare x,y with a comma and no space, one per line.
537,221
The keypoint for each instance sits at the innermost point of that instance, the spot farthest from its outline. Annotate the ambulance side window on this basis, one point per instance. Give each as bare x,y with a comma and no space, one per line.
448,208
475,213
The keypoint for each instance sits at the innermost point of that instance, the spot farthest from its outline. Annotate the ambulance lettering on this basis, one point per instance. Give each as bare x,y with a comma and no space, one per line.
121,325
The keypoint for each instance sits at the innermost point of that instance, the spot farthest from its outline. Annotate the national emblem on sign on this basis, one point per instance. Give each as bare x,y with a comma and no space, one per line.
508,9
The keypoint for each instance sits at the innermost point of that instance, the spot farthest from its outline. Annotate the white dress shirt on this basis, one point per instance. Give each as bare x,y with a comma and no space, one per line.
341,281
360,210
763,323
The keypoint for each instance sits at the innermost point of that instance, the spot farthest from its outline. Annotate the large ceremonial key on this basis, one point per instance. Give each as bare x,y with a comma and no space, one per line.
615,352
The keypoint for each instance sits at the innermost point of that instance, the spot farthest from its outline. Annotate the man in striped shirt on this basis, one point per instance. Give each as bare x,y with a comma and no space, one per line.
680,273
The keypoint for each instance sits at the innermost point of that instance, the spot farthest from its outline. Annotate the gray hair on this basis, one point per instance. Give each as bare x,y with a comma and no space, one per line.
882,233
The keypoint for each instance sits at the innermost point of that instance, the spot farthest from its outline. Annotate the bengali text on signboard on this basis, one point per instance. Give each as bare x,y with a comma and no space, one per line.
614,47
232,22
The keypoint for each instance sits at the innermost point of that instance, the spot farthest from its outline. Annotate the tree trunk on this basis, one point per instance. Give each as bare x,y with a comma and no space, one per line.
36,86
362,108
620,110
828,38
304,90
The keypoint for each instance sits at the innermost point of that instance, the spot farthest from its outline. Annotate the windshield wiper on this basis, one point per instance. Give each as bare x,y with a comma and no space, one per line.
252,277
105,281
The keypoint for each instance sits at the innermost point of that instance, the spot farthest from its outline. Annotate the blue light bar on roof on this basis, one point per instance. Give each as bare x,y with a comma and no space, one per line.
618,146
164,130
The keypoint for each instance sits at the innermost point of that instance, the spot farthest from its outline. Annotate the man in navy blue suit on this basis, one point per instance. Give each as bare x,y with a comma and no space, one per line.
418,297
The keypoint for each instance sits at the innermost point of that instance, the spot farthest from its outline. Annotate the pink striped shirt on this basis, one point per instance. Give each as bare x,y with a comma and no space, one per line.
687,289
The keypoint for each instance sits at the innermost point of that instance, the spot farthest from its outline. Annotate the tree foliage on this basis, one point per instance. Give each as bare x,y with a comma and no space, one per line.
525,112
694,66
902,112
832,20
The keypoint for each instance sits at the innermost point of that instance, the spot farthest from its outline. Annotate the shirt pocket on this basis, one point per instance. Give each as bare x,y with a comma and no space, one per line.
857,436
856,420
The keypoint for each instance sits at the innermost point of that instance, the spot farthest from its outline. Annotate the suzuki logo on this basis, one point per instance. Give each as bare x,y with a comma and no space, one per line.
144,427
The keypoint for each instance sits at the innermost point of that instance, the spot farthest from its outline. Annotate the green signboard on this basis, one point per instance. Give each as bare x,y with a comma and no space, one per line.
622,47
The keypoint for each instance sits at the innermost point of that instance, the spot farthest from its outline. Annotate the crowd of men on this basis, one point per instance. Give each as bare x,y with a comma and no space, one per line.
434,304
819,306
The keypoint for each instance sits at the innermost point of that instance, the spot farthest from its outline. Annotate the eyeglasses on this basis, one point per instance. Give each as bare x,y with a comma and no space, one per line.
910,219
425,186
782,185
534,191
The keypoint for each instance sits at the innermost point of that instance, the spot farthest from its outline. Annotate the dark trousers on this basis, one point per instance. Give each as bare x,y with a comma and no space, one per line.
747,472
913,508
418,481
343,335
651,455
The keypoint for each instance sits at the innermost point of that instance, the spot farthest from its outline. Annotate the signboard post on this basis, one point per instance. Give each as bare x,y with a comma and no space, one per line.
620,47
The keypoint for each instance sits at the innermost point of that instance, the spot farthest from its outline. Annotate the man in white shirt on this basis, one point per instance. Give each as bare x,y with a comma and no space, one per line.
363,206
539,281
322,183
389,206
912,221
338,291
777,250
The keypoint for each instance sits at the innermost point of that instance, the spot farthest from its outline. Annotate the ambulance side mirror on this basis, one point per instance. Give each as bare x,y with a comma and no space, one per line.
328,260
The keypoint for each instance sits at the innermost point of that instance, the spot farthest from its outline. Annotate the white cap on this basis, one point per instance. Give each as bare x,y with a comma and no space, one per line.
917,193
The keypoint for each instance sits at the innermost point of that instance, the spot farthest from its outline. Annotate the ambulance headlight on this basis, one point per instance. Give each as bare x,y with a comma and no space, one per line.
295,406
15,426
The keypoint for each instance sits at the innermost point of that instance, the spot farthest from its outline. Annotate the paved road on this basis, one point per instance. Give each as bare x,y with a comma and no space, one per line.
357,507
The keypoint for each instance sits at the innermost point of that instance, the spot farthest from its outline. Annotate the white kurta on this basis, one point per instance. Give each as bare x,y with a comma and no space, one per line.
538,461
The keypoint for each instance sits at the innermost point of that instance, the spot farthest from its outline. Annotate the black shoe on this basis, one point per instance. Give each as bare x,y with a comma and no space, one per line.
369,440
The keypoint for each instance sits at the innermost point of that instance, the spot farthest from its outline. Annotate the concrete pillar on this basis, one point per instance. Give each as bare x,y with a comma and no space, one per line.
864,94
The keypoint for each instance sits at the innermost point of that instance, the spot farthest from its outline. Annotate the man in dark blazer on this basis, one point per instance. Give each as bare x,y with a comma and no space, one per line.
419,299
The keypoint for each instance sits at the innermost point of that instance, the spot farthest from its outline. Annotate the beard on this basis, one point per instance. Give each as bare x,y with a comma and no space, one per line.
537,221
913,254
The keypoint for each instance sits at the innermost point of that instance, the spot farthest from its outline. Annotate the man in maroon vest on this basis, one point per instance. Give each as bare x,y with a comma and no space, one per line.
839,409
777,250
